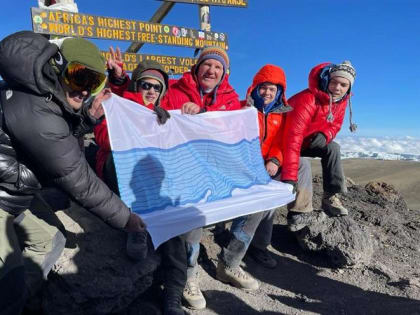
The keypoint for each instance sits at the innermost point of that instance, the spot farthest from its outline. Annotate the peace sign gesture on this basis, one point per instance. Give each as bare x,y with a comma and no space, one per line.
115,63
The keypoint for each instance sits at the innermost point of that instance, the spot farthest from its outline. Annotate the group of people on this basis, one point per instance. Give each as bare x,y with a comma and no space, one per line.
52,96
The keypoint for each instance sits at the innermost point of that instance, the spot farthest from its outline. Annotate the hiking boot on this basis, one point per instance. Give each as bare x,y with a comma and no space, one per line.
296,221
262,256
192,295
137,245
236,276
172,304
332,204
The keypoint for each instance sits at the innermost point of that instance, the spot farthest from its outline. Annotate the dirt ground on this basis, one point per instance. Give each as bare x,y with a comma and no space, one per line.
305,283
403,175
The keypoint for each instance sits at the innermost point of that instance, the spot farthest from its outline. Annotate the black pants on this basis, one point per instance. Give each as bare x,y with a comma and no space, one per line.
173,251
332,171
110,175
174,265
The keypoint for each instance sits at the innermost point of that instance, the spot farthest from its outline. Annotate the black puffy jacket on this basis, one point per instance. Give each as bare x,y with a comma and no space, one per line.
43,131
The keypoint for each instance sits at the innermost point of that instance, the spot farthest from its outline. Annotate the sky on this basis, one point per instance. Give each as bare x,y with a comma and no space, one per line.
380,37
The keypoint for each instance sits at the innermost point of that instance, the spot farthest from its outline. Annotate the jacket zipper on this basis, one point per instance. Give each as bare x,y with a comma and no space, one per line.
265,127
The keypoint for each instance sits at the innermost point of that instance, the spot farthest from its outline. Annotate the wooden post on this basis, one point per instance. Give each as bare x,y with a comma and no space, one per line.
204,17
156,18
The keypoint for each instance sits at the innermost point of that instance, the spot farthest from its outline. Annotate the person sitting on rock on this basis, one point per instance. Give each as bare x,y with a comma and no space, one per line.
313,124
205,88
147,87
251,234
47,105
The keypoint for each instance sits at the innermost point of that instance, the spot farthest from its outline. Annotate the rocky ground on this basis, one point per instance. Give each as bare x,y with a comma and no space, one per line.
379,273
366,263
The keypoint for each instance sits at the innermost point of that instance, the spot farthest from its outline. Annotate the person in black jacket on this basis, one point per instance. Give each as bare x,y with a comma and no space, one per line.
47,103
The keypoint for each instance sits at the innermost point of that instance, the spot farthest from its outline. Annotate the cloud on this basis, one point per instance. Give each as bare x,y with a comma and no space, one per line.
387,148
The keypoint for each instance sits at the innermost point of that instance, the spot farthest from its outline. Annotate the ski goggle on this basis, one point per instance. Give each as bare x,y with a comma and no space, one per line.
147,86
80,78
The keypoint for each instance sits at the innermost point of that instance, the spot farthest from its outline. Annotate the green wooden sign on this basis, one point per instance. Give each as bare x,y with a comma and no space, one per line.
175,65
83,25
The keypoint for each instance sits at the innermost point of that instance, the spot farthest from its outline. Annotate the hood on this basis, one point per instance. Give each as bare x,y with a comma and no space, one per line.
314,82
147,65
273,74
269,73
24,63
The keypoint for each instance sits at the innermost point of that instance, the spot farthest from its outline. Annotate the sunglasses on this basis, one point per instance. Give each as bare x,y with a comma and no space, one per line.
80,78
147,86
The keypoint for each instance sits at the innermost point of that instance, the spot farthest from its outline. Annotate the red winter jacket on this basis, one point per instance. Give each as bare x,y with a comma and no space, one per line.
186,90
311,108
271,125
101,130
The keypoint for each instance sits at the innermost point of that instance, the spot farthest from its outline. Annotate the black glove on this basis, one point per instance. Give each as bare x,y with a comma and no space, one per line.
115,80
291,182
318,141
162,114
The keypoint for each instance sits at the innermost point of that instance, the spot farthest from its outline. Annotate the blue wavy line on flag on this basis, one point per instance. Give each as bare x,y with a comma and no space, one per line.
192,171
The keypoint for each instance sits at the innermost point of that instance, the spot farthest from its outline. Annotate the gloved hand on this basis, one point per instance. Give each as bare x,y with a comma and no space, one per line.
162,114
135,223
291,182
318,141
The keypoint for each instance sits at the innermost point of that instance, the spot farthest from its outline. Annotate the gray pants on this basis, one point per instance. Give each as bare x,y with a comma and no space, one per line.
254,229
332,170
304,190
30,244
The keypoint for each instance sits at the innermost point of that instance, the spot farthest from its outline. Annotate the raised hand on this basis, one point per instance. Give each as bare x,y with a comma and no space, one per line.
115,63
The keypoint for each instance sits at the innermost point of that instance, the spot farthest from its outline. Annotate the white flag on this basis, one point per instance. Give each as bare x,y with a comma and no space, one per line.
193,171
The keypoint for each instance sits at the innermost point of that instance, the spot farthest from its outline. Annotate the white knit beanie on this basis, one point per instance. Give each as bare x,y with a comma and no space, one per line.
344,70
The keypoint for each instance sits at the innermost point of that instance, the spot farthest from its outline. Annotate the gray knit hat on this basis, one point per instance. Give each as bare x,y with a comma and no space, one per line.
344,70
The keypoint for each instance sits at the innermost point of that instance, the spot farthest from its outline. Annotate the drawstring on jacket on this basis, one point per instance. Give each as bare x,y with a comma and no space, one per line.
330,116
353,126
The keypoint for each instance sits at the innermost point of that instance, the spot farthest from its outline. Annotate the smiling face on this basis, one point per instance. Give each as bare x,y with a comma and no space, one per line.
338,87
209,74
267,92
149,93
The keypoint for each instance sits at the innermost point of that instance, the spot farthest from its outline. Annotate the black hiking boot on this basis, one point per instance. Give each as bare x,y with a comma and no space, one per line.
262,256
172,304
